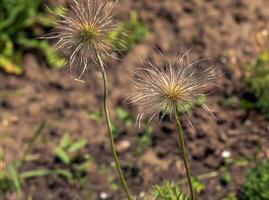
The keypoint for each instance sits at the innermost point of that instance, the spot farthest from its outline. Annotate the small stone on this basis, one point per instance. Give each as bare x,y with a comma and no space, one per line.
234,132
226,154
103,195
142,194
123,145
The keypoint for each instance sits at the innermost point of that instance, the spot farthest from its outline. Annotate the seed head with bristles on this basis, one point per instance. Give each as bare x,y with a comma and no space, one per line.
170,88
83,31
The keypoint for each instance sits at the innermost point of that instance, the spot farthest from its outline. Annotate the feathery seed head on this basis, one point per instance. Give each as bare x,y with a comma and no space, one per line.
84,31
172,87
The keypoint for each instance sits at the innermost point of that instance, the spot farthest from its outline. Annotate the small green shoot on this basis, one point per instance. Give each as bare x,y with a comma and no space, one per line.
73,164
67,146
14,175
146,138
225,175
168,191
198,185
96,116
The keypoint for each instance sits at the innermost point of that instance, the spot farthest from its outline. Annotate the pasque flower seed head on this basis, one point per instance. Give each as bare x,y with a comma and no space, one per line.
170,88
84,31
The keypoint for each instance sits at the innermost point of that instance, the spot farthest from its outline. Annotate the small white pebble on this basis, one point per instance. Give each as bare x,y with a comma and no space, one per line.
123,145
103,195
226,154
142,194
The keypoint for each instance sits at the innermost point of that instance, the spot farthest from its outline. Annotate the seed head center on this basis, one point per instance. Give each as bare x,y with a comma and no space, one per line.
88,32
173,92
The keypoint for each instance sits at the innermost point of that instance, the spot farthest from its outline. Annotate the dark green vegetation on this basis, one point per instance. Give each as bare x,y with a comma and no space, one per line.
129,33
257,183
258,81
168,191
20,25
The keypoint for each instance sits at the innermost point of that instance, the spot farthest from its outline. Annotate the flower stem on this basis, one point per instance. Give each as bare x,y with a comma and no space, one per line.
112,143
184,154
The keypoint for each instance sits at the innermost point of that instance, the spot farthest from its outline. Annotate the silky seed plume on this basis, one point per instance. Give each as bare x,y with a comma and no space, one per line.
84,31
172,87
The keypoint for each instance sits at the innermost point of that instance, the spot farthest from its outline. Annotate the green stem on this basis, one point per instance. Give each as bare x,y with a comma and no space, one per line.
112,143
31,144
184,154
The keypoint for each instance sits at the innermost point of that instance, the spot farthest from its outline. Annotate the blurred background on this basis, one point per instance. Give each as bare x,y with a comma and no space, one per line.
53,139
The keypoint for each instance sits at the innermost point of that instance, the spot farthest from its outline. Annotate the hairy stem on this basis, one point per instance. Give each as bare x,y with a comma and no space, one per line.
184,154
112,143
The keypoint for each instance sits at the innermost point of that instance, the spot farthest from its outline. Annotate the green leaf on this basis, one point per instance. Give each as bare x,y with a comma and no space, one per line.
9,67
35,173
63,156
146,138
96,116
129,33
65,141
52,56
115,130
77,145
124,116
64,173
198,186
83,166
12,169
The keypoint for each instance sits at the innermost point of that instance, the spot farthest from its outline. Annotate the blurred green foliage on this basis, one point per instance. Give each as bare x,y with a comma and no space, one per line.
71,166
6,184
230,196
129,33
258,81
124,116
74,163
19,27
145,139
68,149
168,191
22,21
198,185
256,186
10,178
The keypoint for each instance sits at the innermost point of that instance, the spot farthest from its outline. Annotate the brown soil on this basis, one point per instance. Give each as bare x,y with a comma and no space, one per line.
226,31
